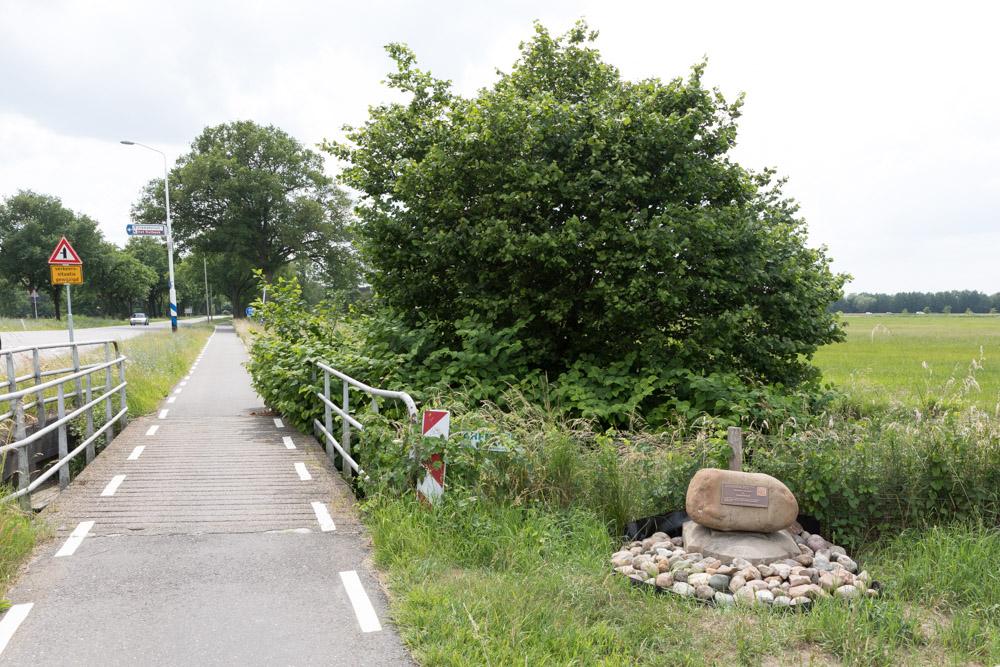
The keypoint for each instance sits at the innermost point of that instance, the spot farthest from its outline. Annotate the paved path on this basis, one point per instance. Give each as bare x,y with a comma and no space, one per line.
219,537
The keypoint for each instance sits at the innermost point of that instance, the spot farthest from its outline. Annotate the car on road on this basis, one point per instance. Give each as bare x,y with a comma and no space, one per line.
138,318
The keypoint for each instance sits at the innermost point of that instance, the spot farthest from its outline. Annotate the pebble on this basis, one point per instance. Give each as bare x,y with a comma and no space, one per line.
705,592
683,589
698,579
719,582
847,592
724,600
815,542
822,570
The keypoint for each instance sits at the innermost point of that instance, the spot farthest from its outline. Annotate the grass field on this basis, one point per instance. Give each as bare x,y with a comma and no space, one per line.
917,358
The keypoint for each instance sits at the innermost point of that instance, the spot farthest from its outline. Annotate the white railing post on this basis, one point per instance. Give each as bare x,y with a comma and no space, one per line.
11,376
90,420
76,369
327,415
345,441
109,435
24,472
123,404
63,444
40,396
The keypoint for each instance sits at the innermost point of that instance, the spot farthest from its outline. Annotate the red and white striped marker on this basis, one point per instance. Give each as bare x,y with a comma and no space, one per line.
435,425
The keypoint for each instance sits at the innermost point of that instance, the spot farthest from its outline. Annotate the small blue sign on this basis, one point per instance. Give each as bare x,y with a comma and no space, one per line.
250,311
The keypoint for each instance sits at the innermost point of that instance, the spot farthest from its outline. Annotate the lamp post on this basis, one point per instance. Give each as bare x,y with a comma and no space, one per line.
170,235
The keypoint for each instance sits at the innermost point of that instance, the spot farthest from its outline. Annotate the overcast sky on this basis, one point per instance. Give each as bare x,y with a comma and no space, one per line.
884,116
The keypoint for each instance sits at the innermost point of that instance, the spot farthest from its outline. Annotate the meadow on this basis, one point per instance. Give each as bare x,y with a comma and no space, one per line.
918,360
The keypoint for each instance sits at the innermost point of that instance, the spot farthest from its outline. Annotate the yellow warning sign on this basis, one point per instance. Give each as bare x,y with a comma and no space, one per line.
66,274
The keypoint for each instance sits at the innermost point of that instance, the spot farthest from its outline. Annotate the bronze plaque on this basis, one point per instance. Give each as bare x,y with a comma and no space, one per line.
747,495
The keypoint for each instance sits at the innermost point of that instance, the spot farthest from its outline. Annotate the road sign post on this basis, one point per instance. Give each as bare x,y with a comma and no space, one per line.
66,268
33,295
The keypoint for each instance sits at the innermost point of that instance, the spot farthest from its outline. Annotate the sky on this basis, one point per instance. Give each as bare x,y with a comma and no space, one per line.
884,116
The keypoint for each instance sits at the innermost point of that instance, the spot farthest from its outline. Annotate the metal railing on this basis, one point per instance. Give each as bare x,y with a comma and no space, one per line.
344,412
82,391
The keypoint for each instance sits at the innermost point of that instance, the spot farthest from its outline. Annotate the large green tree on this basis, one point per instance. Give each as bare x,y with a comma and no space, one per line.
31,225
598,218
256,196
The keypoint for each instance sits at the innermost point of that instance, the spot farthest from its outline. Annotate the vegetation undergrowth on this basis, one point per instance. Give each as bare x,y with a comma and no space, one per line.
18,534
513,562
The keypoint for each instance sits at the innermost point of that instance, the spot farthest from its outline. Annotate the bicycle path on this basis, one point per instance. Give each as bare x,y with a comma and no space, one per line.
207,534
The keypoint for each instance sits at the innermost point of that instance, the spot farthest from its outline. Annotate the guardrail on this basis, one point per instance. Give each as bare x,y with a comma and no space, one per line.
344,412
84,387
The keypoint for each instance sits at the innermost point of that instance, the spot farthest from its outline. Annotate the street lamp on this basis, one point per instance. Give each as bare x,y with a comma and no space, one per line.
170,235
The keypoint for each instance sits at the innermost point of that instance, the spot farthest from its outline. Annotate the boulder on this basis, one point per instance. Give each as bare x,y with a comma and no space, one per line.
762,503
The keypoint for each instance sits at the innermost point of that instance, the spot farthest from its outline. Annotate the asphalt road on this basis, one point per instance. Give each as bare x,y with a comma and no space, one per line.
12,339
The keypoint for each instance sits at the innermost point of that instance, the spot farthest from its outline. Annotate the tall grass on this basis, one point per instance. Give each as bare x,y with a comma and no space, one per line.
18,533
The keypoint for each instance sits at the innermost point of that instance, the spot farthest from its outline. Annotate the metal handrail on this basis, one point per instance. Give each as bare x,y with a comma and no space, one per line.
344,410
84,405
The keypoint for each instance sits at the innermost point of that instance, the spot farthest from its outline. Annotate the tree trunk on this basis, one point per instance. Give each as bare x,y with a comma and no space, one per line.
54,293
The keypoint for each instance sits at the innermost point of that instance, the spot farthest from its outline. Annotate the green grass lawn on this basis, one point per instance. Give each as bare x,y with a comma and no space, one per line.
911,357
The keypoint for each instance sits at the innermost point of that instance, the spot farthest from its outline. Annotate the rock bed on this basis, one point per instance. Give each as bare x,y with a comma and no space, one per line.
821,570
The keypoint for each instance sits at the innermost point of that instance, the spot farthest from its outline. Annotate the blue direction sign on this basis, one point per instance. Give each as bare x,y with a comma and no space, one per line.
146,230
250,311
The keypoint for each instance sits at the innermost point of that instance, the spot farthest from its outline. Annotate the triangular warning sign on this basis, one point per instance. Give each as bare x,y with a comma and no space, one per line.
64,254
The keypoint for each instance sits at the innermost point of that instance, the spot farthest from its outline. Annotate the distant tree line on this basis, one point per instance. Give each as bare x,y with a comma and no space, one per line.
955,301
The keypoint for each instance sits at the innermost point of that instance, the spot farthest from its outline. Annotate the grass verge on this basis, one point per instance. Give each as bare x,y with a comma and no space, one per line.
487,584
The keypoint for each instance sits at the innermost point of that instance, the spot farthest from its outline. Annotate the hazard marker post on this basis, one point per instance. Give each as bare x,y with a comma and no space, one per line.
435,424
66,268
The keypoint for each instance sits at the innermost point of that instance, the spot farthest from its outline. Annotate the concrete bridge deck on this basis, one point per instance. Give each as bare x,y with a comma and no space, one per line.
215,535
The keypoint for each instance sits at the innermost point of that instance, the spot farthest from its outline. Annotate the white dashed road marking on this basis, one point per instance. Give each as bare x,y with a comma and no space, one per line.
113,485
288,442
13,618
163,414
363,609
279,423
75,539
303,473
323,516
136,453
152,429
171,399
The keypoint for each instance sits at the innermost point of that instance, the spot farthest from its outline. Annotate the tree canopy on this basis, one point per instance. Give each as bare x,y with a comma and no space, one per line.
31,225
600,220
257,196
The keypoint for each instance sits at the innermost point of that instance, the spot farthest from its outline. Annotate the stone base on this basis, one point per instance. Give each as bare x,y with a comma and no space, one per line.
729,544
